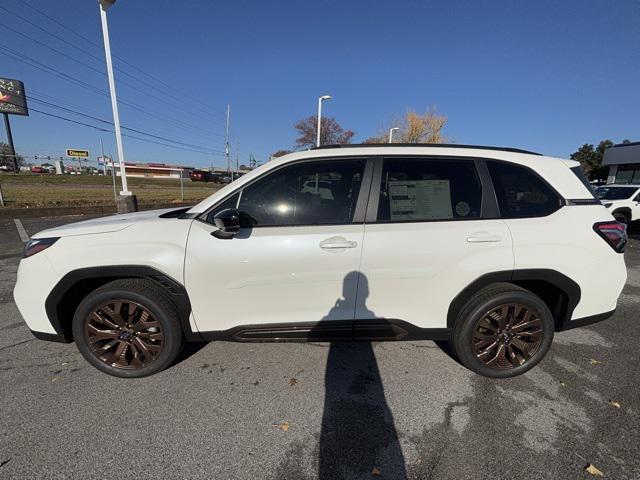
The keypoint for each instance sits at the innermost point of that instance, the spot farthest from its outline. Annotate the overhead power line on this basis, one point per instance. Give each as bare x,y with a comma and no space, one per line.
176,104
196,103
102,120
124,134
9,52
197,149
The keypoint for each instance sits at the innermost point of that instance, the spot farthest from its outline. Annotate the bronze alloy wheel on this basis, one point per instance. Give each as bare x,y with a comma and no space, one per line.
124,334
507,336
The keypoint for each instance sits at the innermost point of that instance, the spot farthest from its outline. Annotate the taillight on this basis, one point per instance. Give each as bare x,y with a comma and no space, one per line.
36,245
614,233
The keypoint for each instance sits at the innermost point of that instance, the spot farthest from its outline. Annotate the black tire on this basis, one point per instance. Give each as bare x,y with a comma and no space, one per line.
622,217
161,313
480,314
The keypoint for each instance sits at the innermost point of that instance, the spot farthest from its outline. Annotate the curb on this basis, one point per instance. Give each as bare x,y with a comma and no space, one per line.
26,212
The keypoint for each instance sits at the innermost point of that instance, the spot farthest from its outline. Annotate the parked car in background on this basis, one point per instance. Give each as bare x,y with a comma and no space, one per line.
201,176
623,201
35,169
493,249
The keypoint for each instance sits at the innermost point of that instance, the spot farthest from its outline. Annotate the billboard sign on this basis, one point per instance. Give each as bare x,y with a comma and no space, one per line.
72,152
12,97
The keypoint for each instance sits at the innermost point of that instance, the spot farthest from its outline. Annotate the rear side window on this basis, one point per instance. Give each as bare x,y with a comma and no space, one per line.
577,171
421,189
520,192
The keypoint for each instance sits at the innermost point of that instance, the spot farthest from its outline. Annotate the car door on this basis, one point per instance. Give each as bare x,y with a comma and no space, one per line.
635,206
431,230
301,236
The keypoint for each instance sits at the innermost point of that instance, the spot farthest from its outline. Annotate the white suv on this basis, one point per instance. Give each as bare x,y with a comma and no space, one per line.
623,201
493,249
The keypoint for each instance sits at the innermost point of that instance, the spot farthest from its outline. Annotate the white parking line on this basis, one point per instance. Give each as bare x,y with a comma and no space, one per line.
24,236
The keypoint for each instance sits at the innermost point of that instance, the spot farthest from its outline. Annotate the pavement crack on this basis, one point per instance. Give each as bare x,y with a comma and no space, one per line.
16,344
4,462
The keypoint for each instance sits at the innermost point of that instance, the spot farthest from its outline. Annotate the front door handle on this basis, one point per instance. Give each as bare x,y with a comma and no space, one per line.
335,243
483,237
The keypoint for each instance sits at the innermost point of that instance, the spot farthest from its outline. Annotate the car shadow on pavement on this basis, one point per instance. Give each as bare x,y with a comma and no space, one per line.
358,435
190,348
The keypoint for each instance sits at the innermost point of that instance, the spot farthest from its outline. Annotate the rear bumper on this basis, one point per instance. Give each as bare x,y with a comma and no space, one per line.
581,322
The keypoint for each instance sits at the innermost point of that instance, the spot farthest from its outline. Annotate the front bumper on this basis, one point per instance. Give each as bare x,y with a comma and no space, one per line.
36,278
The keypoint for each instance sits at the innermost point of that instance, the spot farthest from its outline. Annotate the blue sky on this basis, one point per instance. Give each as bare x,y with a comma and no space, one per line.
545,75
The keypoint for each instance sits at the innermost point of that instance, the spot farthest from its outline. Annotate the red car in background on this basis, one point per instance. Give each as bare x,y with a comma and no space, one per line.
201,176
38,170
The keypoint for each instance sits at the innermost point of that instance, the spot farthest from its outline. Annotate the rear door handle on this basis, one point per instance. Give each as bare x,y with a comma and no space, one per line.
483,237
335,243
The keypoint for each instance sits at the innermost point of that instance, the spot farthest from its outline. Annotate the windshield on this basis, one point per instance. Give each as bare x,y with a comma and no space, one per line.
615,193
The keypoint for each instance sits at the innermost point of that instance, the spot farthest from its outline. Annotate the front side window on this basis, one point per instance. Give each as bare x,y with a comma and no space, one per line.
422,189
306,193
520,192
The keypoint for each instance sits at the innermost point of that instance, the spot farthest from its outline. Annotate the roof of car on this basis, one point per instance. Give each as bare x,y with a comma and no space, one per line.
620,185
425,145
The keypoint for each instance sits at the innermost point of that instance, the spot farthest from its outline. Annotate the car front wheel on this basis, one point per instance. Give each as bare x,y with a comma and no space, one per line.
128,328
503,331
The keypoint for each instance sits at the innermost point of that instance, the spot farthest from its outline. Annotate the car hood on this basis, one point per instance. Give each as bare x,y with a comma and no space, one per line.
112,223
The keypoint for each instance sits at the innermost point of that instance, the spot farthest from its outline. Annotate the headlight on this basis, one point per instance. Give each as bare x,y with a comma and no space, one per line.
607,205
36,245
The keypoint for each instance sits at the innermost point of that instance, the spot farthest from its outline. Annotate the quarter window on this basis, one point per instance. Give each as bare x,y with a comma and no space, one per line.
307,193
520,192
422,189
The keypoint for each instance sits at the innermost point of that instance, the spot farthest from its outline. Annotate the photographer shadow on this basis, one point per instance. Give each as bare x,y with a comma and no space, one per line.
358,435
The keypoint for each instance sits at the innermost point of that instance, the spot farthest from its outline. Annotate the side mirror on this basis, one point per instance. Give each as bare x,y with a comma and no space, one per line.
228,223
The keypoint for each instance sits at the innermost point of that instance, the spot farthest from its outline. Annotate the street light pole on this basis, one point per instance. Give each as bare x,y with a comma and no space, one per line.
391,130
104,6
320,99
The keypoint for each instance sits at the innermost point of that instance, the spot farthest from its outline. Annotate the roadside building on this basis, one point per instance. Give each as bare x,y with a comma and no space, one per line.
623,161
151,170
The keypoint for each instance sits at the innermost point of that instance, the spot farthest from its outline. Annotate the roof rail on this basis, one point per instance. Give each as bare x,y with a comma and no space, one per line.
425,145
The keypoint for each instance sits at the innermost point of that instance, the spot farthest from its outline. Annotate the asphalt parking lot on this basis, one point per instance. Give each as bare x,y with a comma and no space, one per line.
302,411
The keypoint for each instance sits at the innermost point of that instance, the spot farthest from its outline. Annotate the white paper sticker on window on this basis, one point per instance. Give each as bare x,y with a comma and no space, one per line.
420,199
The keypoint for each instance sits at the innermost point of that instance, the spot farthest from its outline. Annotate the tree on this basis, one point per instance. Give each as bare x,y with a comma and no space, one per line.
590,159
279,153
415,127
330,134
6,159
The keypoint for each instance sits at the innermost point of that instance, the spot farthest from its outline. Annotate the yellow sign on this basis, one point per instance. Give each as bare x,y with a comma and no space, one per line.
77,153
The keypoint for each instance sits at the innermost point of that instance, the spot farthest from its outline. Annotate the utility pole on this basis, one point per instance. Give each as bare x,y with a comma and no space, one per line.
12,150
226,141
128,202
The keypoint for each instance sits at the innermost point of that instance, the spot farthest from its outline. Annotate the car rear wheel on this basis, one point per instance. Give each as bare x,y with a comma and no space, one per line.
128,328
503,331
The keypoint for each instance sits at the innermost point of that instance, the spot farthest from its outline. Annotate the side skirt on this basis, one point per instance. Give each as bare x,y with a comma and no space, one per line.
330,331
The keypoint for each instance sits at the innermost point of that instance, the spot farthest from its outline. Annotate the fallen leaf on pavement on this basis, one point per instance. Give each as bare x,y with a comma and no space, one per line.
55,379
375,471
594,471
284,426
292,381
593,361
614,403
563,384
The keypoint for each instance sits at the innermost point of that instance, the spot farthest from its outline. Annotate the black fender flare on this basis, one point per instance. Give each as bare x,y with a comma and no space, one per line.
112,272
625,210
570,289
